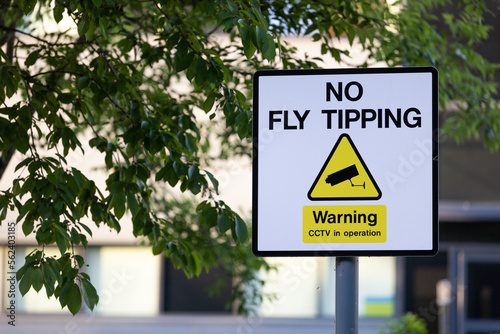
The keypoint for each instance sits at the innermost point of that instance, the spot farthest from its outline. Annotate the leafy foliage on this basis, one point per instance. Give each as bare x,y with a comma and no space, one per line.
466,79
407,324
161,89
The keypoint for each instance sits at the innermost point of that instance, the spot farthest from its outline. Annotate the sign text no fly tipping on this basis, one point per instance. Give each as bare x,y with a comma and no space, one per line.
345,162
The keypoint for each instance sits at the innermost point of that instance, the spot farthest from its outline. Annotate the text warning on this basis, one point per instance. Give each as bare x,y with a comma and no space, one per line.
344,223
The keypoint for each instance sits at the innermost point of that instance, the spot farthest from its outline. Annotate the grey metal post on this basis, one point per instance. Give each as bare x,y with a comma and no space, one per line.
346,295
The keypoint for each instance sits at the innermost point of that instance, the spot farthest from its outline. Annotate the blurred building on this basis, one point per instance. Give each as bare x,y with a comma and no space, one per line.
132,282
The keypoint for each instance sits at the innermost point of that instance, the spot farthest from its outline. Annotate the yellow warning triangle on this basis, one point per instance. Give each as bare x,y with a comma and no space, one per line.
344,176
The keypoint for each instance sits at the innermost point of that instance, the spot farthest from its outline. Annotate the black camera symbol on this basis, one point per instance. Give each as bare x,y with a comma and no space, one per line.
343,175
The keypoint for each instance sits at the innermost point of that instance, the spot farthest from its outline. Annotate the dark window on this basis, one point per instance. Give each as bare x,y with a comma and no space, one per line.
181,294
422,276
483,290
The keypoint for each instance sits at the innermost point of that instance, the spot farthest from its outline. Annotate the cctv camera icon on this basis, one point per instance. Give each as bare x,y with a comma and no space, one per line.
343,175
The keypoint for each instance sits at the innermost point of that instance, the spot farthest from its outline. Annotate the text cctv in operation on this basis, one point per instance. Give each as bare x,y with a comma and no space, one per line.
353,91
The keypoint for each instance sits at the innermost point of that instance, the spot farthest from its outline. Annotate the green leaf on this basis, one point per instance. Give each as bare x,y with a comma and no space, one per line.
210,217
261,35
37,279
114,223
132,203
34,166
214,181
156,231
84,241
171,176
25,208
197,262
241,229
28,264
233,8
103,27
159,246
49,278
3,214
26,281
119,204
195,185
97,3
98,142
181,63
243,125
161,173
58,11
70,296
79,178
83,25
71,273
75,236
28,6
60,240
269,50
32,58
45,210
201,70
130,172
143,173
86,228
28,226
89,34
64,294
83,82
22,142
173,40
193,171
48,273
55,267
209,102
23,163
249,48
190,143
79,260
3,55
90,296
224,222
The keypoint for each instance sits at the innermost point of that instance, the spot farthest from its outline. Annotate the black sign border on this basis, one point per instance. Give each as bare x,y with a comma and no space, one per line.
435,163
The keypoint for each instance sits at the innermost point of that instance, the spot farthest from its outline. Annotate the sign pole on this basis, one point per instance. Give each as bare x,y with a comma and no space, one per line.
346,295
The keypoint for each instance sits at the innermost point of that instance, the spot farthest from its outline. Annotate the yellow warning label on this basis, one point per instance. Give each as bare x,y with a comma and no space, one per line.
344,176
344,223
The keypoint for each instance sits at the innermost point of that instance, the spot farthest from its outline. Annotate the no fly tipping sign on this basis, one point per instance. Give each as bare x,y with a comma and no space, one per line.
345,162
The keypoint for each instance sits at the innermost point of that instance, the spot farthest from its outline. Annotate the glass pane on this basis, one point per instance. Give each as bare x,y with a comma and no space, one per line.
483,291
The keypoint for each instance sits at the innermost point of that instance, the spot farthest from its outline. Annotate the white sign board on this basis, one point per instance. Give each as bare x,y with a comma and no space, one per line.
345,162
